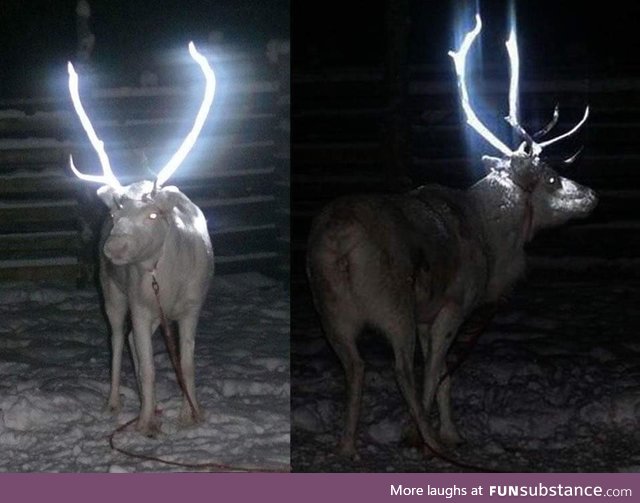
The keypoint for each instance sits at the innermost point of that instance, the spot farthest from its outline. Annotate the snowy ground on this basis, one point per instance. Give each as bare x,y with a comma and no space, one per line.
552,385
54,380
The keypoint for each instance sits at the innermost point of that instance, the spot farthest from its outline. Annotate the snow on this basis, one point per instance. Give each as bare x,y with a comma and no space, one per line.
54,380
552,385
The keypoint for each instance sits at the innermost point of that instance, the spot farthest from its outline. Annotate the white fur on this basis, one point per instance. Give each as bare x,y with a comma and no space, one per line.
175,247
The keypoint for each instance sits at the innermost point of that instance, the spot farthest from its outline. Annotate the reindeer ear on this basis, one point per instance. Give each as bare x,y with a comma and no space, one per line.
168,198
109,196
491,163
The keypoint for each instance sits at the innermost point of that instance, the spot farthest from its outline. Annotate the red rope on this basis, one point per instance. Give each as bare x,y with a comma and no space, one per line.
173,355
211,466
474,328
172,348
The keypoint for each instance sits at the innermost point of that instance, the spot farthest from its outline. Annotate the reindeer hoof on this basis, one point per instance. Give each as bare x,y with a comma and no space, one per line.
451,438
347,449
150,429
188,418
433,449
113,406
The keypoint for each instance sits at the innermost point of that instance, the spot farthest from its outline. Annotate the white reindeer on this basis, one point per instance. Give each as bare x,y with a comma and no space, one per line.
155,236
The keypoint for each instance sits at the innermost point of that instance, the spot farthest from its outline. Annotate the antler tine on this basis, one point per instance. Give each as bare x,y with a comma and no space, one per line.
514,64
107,178
189,141
568,133
554,120
571,159
459,60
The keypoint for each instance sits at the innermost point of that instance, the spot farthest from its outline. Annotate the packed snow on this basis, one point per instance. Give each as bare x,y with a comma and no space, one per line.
54,381
553,385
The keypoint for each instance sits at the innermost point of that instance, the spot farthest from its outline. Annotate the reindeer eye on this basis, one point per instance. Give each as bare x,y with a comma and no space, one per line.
153,216
552,180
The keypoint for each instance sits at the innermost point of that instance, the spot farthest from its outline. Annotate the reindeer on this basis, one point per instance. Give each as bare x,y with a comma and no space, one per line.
156,262
423,262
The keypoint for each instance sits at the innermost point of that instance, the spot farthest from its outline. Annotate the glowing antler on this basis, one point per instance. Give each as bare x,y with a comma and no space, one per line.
107,177
568,133
191,138
459,60
512,118
552,123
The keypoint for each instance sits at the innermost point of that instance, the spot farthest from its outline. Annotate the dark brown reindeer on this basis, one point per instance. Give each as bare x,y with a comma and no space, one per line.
422,262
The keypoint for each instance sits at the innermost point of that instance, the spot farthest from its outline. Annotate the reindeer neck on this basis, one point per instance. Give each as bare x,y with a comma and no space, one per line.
505,215
158,260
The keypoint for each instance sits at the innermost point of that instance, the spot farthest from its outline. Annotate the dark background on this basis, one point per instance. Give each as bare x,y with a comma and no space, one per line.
375,104
39,36
376,110
551,35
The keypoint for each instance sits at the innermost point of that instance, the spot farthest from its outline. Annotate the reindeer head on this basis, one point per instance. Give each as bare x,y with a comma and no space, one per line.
554,199
140,212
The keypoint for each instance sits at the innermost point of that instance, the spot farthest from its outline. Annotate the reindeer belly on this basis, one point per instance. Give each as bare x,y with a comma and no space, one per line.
459,277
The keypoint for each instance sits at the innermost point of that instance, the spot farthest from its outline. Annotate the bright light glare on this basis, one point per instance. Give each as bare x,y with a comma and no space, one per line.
459,60
191,138
108,178
514,60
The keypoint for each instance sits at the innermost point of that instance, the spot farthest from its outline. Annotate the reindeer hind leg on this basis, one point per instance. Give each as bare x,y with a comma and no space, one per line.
402,336
342,336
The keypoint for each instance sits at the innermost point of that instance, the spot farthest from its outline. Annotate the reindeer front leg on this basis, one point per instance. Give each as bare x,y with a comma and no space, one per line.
116,310
143,325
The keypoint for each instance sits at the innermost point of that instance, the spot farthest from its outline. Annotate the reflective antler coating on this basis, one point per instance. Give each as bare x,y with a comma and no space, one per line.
108,178
535,148
554,120
459,60
568,133
191,138
512,118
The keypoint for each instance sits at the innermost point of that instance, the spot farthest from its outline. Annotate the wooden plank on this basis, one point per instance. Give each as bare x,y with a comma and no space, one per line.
239,214
245,240
30,186
39,211
40,273
267,262
39,245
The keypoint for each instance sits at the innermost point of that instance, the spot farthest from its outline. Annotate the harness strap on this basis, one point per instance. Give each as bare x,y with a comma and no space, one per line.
170,341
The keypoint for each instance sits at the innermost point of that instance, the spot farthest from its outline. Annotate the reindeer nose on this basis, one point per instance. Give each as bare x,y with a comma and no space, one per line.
116,247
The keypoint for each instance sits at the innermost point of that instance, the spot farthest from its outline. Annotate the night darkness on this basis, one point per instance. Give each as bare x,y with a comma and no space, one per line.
548,385
39,37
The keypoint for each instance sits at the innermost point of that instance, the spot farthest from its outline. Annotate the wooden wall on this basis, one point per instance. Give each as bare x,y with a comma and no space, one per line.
237,173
